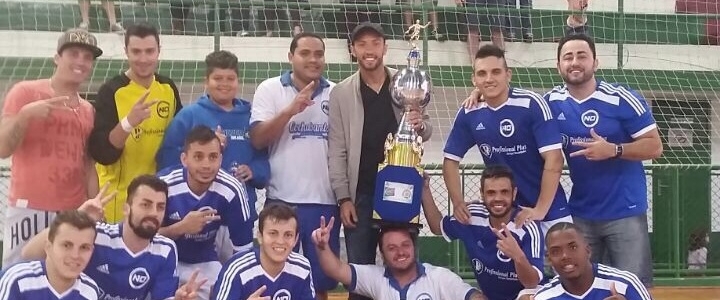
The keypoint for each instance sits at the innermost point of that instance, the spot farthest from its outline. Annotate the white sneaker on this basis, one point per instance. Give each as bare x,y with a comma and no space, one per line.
84,25
117,28
243,33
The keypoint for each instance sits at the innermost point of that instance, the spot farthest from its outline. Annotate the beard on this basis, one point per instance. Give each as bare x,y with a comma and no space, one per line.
145,232
587,76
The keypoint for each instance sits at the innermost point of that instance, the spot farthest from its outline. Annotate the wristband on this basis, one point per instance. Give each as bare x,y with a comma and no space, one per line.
126,125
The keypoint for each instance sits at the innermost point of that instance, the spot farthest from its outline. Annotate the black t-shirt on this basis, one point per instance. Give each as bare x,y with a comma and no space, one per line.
378,122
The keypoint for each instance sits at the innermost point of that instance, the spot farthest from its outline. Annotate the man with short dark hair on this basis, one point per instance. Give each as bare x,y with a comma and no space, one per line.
577,277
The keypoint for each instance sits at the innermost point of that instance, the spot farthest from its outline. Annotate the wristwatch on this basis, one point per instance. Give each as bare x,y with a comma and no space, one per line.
618,150
341,201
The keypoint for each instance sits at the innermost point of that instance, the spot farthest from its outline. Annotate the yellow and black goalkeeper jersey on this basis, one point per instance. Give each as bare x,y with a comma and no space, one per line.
120,166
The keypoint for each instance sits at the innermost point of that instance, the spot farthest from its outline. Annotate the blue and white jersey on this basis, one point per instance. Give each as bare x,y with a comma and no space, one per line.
609,189
432,283
299,157
124,275
242,275
227,195
513,134
495,273
28,281
625,283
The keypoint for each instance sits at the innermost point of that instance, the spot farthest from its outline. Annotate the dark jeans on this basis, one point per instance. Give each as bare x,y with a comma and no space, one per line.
519,21
239,18
361,241
355,16
271,16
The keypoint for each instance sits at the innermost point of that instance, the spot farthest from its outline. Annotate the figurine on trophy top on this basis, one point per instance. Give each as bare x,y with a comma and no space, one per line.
414,32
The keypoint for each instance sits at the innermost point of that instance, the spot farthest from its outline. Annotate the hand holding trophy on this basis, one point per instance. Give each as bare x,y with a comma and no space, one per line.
399,185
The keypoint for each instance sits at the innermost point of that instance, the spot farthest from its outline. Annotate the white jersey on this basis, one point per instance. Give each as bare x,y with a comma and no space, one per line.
433,283
299,158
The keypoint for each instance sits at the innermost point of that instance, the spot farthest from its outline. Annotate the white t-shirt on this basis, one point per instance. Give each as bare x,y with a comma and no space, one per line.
299,158
434,283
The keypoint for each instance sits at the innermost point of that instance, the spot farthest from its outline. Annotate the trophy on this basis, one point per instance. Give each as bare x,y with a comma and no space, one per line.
399,184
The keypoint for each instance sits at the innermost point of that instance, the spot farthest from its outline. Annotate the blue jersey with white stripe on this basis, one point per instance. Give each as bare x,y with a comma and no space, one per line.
495,273
28,281
609,189
514,134
242,275
227,195
625,283
124,275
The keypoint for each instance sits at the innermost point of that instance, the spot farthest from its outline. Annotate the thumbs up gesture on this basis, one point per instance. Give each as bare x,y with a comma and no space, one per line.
614,295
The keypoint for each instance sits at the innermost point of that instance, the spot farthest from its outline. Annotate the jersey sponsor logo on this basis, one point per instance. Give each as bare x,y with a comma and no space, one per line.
480,268
507,127
590,118
565,140
488,150
236,134
138,132
478,265
138,278
424,296
163,109
282,294
325,106
304,129
561,117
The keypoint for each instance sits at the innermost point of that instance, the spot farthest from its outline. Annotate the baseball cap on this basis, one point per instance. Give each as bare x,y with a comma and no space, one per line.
79,37
366,27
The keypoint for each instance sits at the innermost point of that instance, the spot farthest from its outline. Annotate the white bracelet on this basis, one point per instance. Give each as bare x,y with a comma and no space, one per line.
126,125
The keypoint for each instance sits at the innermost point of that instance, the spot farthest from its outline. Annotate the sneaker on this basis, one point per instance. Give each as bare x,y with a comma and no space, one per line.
243,33
117,28
510,37
439,36
84,25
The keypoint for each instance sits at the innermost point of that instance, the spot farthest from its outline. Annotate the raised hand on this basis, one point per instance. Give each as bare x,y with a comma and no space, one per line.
95,207
302,100
614,295
461,213
528,214
189,290
321,236
256,295
195,221
243,173
140,111
598,149
507,243
42,108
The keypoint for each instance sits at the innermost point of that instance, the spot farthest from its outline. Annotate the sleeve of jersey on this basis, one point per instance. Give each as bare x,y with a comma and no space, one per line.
15,99
260,167
168,280
451,228
228,285
365,280
169,153
8,286
239,217
176,92
637,119
460,139
453,287
533,246
263,107
308,292
545,128
106,118
635,290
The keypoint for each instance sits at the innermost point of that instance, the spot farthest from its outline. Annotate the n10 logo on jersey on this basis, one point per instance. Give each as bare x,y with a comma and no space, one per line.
507,127
282,294
590,118
139,277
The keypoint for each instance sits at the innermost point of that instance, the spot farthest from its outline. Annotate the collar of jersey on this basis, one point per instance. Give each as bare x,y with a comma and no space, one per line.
286,80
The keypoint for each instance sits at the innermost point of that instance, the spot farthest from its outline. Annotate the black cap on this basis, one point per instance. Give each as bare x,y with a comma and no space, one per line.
366,27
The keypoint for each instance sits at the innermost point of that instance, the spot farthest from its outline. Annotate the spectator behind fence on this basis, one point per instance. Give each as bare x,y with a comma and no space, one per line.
476,18
271,16
697,249
290,118
68,246
434,23
361,116
519,21
45,126
133,109
608,136
109,9
577,21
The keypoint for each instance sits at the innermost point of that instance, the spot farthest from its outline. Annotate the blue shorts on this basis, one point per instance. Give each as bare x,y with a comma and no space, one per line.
474,19
309,220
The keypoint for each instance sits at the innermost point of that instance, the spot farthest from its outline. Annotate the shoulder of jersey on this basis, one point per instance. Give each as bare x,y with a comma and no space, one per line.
24,269
272,82
163,79
557,93
478,210
552,283
174,176
115,83
298,259
620,275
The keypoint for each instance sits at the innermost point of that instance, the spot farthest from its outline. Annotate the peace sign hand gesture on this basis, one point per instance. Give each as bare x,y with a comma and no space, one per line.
321,236
507,243
189,290
302,100
95,207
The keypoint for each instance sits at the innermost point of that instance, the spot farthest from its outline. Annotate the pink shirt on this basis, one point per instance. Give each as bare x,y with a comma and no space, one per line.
49,165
